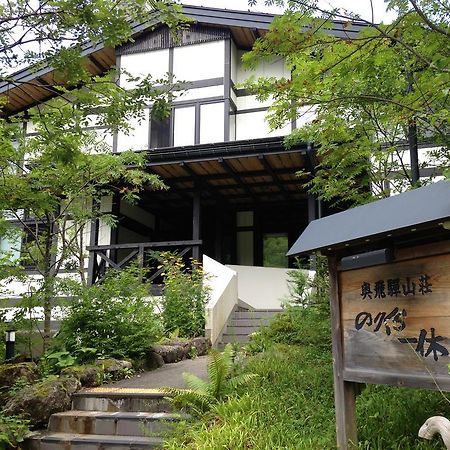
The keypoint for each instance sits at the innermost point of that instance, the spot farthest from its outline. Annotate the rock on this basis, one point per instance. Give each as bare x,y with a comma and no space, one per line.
116,368
39,401
174,351
89,376
10,373
202,345
171,353
153,360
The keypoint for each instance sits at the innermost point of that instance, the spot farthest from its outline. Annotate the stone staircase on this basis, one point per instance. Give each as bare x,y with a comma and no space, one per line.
105,418
243,322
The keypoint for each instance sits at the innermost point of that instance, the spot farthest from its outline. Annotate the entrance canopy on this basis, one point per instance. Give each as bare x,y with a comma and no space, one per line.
235,173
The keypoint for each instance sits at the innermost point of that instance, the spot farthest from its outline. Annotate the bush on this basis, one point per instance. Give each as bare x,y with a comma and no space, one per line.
291,404
184,297
296,325
116,318
13,430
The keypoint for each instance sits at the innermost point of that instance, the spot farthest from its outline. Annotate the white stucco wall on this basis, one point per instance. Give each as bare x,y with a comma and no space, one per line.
223,285
262,287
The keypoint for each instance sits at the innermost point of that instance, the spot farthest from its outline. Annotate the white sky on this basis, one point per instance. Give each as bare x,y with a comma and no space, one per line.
361,7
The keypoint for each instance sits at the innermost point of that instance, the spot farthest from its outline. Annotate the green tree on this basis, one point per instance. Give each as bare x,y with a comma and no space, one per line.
52,182
373,93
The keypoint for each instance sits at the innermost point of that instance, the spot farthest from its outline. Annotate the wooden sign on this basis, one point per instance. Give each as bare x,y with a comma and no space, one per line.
396,323
390,325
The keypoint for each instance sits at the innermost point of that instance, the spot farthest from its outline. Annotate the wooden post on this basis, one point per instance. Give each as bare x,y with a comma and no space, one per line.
196,223
93,240
344,391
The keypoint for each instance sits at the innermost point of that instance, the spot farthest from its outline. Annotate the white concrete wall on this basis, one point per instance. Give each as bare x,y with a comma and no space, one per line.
223,284
262,287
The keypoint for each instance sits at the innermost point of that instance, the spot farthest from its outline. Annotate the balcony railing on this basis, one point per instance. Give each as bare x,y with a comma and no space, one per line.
119,256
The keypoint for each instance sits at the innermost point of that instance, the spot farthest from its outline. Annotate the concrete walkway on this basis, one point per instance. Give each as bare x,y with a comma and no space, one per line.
170,375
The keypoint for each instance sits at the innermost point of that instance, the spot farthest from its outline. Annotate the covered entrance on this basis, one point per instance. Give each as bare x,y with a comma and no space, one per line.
238,202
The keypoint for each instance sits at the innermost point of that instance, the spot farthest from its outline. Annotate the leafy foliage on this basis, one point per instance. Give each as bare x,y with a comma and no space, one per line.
184,296
59,174
115,318
357,97
291,404
202,395
13,430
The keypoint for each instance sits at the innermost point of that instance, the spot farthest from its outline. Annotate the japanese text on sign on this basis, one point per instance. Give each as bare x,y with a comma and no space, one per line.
394,287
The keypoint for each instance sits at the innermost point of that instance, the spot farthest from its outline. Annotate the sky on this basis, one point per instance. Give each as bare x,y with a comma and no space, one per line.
361,7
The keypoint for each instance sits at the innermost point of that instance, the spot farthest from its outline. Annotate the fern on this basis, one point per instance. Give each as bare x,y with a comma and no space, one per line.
202,395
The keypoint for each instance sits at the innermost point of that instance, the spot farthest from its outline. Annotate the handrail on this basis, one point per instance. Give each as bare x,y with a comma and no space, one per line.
94,248
103,257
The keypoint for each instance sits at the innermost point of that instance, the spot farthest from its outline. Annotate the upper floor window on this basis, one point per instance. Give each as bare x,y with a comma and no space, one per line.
159,132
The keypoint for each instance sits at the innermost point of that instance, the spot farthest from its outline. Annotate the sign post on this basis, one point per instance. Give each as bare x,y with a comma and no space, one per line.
389,297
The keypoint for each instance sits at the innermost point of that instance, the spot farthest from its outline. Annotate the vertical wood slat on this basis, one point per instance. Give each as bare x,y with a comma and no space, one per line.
196,224
344,391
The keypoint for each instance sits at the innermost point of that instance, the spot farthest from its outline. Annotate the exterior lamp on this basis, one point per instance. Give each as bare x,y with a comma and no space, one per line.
10,341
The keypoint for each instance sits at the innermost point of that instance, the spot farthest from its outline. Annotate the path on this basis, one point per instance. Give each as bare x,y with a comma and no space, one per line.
170,375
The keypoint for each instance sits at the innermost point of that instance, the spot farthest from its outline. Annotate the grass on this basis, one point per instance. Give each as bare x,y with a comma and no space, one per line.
291,406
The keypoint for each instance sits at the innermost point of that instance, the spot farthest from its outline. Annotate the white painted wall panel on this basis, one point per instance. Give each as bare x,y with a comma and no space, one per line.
154,63
206,92
253,125
250,101
305,115
232,127
275,68
199,61
212,123
137,138
184,126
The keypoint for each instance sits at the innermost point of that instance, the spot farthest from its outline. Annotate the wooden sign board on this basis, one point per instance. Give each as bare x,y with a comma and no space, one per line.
396,323
390,325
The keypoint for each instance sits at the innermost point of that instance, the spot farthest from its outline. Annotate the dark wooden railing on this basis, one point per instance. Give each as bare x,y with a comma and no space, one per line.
103,257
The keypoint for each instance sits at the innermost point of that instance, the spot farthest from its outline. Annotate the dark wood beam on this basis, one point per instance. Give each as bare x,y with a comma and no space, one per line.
196,211
135,226
201,182
97,64
274,176
225,176
236,178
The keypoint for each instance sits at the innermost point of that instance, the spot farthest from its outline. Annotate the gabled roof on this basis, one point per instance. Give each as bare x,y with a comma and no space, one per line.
34,85
422,208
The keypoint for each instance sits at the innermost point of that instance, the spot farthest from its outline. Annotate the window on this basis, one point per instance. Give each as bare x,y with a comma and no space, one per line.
159,132
275,247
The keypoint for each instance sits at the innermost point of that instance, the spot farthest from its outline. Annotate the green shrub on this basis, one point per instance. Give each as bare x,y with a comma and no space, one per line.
116,318
291,404
184,297
296,325
13,430
222,384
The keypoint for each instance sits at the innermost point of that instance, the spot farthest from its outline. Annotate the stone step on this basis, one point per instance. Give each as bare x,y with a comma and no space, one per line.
249,322
241,330
113,423
257,314
70,441
227,338
121,400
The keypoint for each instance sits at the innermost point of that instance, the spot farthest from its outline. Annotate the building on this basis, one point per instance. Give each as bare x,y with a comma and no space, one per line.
234,195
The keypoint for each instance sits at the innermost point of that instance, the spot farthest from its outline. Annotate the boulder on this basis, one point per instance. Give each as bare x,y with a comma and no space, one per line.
202,345
153,360
172,353
116,368
10,374
89,376
177,350
39,401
